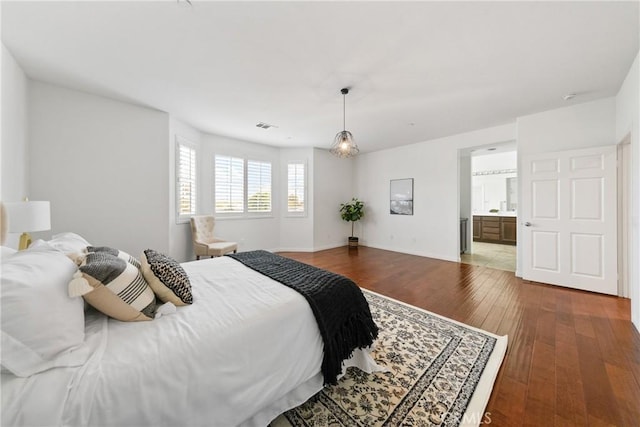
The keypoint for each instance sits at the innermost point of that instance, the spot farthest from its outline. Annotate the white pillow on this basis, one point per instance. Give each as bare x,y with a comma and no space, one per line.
41,245
42,327
69,243
6,252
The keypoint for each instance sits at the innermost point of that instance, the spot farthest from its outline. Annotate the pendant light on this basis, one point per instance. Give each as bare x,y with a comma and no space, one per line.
343,144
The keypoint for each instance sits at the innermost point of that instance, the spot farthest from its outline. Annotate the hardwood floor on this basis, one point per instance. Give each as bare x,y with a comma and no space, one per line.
573,357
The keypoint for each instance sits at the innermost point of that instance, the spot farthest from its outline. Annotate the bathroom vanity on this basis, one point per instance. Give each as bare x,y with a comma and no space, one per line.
498,227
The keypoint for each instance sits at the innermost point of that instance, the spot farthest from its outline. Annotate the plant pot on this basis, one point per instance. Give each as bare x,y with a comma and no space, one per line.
353,242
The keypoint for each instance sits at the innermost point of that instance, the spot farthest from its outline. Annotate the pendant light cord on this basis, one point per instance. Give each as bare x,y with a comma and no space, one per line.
344,92
344,109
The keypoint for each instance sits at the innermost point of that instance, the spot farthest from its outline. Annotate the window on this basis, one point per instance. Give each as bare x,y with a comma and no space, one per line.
229,190
258,186
185,180
242,186
295,188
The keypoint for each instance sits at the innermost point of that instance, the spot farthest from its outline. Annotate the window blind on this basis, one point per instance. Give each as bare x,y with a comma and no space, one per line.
229,185
186,180
295,188
258,186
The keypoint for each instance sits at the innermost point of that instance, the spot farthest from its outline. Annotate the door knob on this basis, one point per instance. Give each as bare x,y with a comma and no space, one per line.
527,224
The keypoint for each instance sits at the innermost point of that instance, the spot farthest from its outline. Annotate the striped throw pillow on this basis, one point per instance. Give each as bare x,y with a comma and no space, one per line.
119,288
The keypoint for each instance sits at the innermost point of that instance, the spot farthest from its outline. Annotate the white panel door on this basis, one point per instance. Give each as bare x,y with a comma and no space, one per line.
569,218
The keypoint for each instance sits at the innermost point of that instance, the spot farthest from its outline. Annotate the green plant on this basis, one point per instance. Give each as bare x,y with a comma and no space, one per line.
352,211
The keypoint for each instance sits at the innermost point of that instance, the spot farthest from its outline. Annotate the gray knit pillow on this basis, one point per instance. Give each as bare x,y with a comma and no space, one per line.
166,277
115,252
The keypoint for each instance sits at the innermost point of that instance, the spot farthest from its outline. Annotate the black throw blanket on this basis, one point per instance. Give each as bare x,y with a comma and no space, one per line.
342,312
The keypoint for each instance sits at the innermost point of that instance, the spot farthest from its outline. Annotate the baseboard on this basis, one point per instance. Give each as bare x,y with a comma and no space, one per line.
410,252
314,249
336,245
290,249
330,246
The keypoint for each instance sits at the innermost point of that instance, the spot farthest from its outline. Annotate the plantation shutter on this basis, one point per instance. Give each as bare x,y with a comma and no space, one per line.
186,181
258,186
229,186
295,188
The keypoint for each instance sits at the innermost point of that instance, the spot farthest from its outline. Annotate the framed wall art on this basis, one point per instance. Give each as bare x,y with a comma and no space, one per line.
401,196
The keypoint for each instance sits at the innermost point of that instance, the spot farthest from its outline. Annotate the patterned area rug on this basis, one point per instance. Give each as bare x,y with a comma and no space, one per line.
440,373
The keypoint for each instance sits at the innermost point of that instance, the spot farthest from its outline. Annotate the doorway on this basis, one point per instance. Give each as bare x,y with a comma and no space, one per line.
494,203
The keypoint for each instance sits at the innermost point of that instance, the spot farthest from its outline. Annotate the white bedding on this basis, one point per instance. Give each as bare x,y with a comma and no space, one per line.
246,350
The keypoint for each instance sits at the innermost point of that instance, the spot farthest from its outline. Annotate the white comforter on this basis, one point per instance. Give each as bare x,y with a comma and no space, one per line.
246,350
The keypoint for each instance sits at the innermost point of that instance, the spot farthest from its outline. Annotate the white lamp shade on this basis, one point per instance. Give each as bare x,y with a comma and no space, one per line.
28,216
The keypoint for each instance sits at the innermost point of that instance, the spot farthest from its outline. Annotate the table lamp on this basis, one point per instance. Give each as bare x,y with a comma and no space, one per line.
28,216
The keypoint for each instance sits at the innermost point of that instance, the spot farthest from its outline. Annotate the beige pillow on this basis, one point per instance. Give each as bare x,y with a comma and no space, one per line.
166,277
114,287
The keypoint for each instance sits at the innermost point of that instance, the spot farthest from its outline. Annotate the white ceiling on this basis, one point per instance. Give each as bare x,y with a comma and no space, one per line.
417,70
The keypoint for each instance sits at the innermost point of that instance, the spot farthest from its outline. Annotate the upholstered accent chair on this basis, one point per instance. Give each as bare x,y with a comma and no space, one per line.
204,242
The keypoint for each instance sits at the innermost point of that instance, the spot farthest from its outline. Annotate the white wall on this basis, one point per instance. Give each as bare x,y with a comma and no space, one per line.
249,233
14,148
433,229
332,185
627,122
180,243
296,231
590,124
103,165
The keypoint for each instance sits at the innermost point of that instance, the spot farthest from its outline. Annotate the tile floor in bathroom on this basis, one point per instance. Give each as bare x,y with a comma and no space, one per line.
492,255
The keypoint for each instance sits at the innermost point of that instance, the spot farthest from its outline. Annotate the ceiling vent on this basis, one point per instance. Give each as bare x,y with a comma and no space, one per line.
264,125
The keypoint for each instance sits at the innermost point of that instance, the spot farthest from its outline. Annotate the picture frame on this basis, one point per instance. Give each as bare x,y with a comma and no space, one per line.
401,196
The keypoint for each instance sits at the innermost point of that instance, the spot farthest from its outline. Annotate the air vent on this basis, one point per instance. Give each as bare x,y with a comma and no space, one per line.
264,125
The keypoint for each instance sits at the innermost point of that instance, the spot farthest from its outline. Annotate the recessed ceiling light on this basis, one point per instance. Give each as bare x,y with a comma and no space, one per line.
569,96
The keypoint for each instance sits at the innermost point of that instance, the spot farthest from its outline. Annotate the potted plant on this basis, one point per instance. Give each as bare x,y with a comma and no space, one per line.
352,211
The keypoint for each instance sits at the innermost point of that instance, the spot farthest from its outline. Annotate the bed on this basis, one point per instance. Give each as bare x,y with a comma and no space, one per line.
246,350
